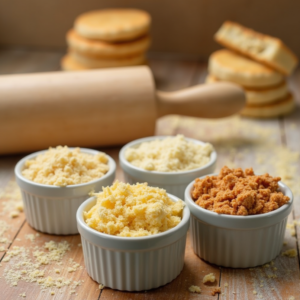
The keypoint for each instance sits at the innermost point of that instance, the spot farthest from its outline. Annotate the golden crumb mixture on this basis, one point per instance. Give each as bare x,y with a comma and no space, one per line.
133,210
235,192
62,166
172,154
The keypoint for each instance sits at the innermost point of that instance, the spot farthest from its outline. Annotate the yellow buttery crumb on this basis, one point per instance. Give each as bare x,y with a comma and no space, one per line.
195,289
209,278
290,253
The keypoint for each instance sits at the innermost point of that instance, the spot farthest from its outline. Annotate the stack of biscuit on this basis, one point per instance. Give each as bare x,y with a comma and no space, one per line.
257,62
108,38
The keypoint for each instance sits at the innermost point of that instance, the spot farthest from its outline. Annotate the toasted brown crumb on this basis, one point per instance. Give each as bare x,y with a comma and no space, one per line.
238,192
216,291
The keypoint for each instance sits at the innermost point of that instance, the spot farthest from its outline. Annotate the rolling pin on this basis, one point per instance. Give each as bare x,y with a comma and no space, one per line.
98,107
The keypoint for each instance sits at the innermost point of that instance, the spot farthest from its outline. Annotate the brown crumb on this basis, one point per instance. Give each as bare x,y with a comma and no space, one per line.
216,291
238,192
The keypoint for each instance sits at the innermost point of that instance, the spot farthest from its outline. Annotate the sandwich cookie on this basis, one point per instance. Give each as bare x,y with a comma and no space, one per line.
260,47
94,63
113,25
100,49
230,66
260,96
272,110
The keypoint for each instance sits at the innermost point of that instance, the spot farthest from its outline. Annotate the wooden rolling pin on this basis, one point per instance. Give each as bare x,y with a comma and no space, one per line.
98,107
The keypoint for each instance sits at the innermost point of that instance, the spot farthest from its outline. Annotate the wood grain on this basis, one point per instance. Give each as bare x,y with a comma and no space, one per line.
236,146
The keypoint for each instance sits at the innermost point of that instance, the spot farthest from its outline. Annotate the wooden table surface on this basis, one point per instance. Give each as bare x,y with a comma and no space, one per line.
266,145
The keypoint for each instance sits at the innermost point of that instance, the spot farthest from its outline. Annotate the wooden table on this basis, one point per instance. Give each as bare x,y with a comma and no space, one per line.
239,142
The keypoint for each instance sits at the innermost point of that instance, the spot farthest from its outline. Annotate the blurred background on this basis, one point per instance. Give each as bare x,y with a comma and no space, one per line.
179,27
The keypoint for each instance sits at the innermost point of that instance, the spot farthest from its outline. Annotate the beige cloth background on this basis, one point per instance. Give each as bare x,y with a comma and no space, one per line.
180,26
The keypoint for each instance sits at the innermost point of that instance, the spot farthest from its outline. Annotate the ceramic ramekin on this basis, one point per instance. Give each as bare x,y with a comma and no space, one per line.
133,263
52,209
173,182
238,241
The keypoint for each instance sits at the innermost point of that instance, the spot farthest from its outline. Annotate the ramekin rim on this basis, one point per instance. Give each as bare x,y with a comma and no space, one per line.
139,141
98,234
21,162
188,199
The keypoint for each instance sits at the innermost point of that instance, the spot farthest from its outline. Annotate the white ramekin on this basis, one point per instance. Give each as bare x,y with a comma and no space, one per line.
133,263
238,241
173,182
52,209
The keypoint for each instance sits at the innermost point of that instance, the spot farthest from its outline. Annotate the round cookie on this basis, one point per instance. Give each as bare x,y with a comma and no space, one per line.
272,110
230,66
94,63
260,96
67,63
113,25
97,48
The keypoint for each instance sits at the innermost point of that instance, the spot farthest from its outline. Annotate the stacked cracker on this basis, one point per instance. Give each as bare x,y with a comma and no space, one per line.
257,62
108,38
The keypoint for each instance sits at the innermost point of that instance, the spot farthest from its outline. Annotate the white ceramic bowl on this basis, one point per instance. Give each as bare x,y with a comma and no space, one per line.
237,241
133,263
173,182
52,209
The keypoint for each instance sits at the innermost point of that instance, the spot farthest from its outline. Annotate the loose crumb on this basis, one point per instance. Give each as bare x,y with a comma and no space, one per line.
254,292
52,293
195,289
209,278
101,286
238,192
226,284
22,295
216,291
14,214
290,253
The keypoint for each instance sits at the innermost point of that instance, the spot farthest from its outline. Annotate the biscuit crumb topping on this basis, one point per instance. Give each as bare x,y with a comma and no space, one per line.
238,192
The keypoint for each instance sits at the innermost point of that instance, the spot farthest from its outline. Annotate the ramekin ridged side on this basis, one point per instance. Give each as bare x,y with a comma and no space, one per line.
173,182
238,241
133,264
52,209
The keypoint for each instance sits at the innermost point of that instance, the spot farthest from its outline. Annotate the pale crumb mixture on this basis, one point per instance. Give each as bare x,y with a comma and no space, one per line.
172,154
235,192
290,253
195,289
62,166
209,278
133,210
216,291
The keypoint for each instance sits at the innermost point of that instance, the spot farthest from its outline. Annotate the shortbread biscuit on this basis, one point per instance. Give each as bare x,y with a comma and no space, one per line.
230,66
93,63
97,48
260,47
67,63
113,25
273,110
260,96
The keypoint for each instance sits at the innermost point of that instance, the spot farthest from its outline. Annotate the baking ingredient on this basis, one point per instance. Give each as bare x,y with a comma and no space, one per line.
215,291
172,154
290,253
133,210
195,289
209,278
62,166
235,192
